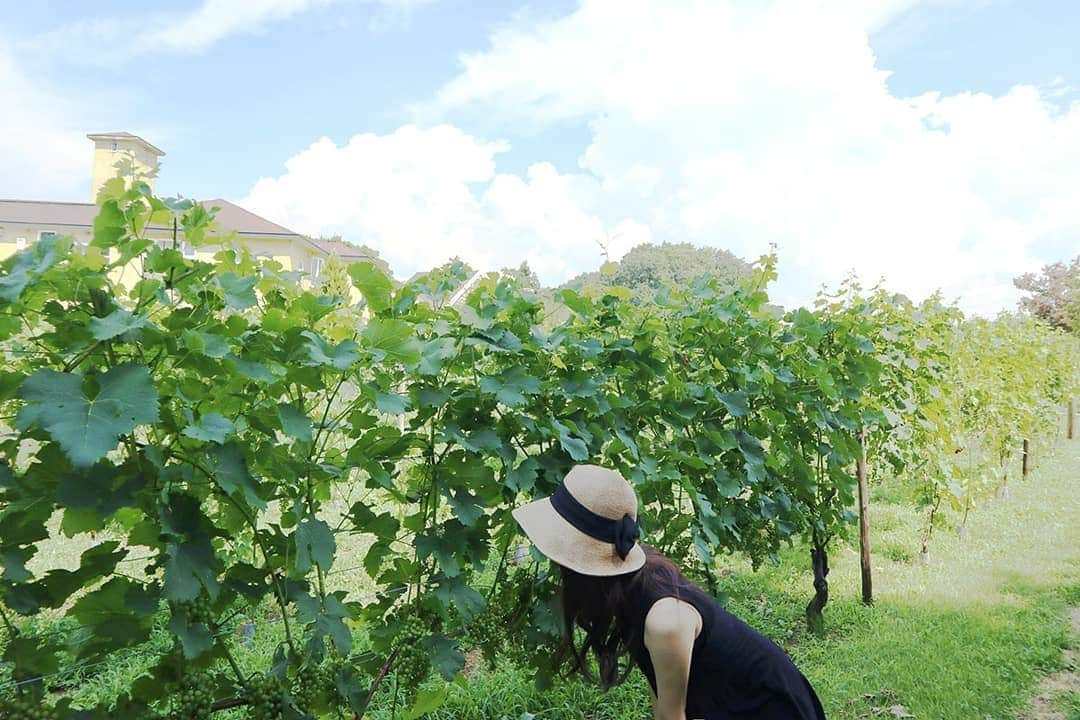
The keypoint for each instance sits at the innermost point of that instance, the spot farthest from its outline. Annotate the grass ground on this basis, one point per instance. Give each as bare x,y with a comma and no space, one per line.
976,633
967,635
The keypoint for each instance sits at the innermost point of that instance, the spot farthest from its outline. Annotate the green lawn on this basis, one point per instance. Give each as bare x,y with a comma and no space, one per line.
967,635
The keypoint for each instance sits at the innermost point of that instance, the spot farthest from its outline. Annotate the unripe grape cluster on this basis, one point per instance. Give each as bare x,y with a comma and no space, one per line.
193,699
26,708
313,682
487,632
198,610
265,696
412,664
494,630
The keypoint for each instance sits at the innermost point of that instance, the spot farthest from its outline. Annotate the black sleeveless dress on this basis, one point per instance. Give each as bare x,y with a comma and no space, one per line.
735,673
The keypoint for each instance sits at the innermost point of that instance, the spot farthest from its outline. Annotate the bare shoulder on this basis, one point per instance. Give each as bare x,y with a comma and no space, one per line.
671,621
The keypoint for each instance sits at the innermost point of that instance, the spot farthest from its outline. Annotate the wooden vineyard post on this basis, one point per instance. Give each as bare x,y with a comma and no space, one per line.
1024,461
1071,424
864,523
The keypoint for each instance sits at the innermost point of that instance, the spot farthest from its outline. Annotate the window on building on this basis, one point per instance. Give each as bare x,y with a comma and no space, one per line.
316,267
20,243
47,235
186,249
114,147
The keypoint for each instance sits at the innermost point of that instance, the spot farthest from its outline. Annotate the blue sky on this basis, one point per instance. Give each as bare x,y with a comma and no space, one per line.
575,125
256,99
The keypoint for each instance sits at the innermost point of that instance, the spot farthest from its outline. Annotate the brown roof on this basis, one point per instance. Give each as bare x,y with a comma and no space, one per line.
34,212
245,222
230,217
121,135
344,250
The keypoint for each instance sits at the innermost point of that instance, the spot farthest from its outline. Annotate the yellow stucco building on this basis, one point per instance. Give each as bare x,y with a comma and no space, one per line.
23,222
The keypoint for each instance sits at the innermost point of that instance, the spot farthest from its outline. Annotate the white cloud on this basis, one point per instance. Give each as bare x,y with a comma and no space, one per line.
43,155
734,124
422,196
116,39
742,124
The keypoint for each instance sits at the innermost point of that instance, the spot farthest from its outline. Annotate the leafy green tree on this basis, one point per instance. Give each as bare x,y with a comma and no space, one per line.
649,267
1053,294
523,275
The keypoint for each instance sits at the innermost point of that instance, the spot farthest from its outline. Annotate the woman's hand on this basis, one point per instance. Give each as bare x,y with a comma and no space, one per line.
670,629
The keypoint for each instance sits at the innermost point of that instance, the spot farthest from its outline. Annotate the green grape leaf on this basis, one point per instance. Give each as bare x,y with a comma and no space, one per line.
452,591
294,423
21,269
341,356
522,478
434,353
212,427
252,369
465,506
110,224
574,447
445,656
392,339
727,485
116,323
33,656
373,284
427,700
189,567
442,548
391,403
511,386
205,343
364,519
230,470
735,403
315,545
195,638
118,614
85,417
239,290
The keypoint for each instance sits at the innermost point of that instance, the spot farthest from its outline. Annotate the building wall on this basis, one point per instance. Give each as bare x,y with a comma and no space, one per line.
105,159
11,234
292,254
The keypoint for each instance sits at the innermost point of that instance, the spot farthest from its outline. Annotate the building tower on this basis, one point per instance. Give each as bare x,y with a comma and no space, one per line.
117,147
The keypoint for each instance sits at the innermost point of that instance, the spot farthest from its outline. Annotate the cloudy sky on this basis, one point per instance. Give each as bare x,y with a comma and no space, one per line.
935,144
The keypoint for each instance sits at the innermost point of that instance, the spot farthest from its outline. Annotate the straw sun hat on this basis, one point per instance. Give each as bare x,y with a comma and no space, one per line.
588,525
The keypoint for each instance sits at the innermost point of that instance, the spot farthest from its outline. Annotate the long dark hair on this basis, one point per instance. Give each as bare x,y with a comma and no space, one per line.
609,610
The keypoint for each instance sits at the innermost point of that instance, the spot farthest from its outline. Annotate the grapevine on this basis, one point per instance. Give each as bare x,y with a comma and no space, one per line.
235,404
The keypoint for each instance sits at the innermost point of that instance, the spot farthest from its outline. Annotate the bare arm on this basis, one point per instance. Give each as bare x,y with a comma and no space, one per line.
670,629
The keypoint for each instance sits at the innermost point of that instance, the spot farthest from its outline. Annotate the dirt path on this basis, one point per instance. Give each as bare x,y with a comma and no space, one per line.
1047,703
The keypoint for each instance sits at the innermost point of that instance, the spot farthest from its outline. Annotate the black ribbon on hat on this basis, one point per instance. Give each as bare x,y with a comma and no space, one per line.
622,533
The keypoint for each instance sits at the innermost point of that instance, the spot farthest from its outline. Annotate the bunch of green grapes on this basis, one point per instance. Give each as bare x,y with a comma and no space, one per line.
487,631
193,699
312,683
25,707
412,664
198,610
265,696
